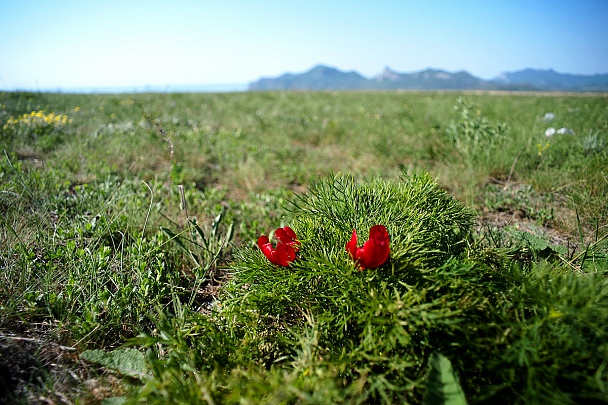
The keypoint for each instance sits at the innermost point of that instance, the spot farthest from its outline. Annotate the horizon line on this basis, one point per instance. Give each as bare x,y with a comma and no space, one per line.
148,88
239,87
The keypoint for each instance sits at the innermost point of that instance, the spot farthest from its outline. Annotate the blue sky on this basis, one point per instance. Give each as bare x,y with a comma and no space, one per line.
51,45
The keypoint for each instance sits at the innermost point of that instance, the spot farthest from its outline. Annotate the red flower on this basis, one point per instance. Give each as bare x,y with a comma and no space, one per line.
287,246
374,252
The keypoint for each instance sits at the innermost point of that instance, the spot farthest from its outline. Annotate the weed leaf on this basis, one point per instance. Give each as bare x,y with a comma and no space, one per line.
443,386
130,362
538,244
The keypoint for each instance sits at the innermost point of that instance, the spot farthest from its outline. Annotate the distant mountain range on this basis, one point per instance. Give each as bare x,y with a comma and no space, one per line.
328,78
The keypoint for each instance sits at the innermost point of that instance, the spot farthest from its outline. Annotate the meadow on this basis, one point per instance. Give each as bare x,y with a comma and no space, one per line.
130,269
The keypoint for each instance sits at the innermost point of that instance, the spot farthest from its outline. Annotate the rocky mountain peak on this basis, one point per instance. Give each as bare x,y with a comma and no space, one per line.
388,75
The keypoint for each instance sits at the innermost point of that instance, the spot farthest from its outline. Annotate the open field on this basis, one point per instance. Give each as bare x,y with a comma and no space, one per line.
129,267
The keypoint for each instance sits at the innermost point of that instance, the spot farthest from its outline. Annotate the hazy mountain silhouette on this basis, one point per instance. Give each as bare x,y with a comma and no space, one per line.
552,80
323,77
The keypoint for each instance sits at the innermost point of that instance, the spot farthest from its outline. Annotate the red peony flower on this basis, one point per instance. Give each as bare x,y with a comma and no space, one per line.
374,252
287,247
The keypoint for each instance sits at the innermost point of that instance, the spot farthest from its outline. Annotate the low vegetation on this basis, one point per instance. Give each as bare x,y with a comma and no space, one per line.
131,272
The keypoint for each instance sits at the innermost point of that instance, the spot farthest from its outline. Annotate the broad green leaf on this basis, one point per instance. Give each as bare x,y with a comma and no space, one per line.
128,361
538,244
443,386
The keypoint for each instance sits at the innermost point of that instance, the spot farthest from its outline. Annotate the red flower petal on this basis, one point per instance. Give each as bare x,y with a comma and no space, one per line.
266,248
351,246
287,236
284,255
374,252
262,240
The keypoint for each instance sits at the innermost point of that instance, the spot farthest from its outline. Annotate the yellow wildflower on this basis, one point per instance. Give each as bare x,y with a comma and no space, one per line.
542,148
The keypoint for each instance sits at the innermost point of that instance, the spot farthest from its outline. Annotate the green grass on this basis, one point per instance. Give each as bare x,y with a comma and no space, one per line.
136,223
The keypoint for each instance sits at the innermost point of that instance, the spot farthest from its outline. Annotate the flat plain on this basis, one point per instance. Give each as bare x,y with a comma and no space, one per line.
130,270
